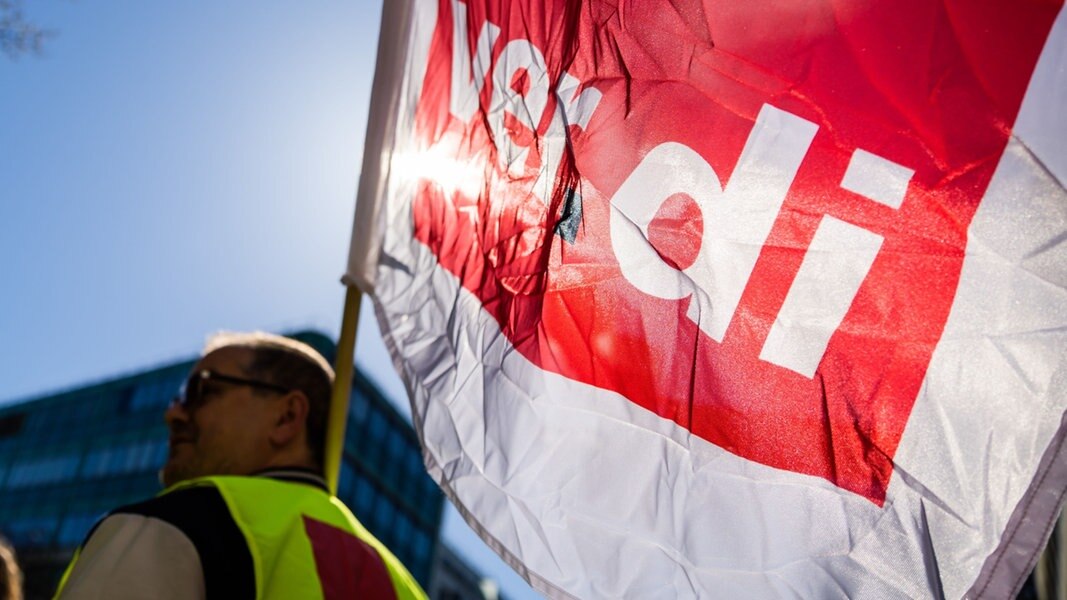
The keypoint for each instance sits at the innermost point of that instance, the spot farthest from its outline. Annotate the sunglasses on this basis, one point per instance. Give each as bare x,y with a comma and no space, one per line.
191,394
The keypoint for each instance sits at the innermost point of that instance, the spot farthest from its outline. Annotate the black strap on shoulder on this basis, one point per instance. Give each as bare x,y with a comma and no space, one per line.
203,516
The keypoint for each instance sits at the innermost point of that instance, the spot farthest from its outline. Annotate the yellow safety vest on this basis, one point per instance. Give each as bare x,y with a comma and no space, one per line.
305,543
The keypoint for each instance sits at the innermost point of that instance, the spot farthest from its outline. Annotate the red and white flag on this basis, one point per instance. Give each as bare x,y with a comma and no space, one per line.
721,299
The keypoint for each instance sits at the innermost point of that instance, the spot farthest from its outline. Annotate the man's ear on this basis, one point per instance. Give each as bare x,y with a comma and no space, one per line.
291,418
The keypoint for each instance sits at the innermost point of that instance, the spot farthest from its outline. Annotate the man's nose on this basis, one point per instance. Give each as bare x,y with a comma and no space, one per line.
175,412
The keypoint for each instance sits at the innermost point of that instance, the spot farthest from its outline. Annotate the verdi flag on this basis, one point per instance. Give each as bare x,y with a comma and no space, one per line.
723,299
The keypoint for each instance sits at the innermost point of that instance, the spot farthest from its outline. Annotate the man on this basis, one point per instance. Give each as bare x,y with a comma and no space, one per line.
246,512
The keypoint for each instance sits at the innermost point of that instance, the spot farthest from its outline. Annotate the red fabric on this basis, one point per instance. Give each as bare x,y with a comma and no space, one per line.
934,86
347,566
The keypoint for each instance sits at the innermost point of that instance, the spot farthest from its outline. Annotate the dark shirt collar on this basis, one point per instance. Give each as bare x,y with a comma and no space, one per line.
296,475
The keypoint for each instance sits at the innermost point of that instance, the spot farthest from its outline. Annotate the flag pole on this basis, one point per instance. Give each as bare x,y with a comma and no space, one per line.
342,388
364,249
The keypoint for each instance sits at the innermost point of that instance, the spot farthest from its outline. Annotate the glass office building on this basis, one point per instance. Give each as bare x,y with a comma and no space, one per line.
68,458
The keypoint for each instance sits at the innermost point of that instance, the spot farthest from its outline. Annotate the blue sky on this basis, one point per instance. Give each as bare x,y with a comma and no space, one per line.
171,169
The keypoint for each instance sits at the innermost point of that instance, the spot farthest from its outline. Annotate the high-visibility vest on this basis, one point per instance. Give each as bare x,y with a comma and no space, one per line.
305,543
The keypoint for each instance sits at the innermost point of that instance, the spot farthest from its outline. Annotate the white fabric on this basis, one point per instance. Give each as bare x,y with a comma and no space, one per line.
381,127
133,557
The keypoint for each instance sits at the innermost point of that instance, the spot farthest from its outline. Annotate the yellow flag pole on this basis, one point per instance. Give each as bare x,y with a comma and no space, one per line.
342,388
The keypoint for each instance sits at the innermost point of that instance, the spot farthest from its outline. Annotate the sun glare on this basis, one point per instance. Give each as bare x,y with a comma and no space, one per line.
445,171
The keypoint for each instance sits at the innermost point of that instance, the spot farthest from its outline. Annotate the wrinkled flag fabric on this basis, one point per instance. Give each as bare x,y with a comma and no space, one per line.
735,300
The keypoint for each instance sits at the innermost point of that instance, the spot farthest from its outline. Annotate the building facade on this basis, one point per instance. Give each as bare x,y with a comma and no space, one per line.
68,458
453,579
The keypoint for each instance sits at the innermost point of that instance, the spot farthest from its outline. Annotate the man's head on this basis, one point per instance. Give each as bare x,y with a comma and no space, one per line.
253,401
10,574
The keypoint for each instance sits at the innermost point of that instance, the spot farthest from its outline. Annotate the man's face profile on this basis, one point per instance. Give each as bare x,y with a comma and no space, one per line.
225,429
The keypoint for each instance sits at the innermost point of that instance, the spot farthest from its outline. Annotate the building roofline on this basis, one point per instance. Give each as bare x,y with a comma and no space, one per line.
314,338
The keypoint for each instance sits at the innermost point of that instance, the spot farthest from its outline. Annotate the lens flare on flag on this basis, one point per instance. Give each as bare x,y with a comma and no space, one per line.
441,169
